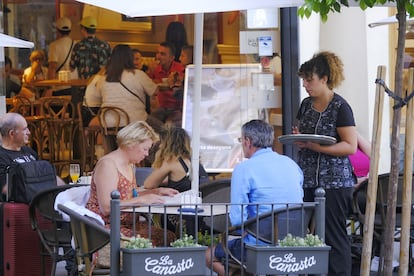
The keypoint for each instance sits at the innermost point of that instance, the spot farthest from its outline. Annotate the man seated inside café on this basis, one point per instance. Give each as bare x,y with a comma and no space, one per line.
169,106
13,84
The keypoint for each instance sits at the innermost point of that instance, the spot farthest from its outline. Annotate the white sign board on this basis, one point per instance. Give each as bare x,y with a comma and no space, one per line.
226,92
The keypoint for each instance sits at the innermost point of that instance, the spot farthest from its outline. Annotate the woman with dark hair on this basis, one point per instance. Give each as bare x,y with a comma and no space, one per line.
325,112
176,35
125,86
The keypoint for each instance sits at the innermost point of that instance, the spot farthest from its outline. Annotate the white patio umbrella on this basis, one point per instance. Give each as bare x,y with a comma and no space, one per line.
134,8
10,41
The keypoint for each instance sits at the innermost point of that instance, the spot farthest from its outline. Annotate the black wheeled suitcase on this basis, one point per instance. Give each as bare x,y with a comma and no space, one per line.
21,246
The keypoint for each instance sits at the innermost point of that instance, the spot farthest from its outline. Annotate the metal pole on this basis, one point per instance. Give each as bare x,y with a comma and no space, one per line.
320,212
195,139
115,233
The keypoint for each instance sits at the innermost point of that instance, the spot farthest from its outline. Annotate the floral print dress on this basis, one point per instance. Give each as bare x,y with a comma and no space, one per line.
125,188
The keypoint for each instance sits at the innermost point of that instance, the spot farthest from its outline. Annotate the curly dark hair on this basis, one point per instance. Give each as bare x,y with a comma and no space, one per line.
324,64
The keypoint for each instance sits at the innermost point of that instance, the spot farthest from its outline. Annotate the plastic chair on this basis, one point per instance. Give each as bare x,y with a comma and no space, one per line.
89,237
271,226
112,119
53,235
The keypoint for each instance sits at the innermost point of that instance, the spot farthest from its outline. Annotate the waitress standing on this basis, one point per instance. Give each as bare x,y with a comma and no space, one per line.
326,113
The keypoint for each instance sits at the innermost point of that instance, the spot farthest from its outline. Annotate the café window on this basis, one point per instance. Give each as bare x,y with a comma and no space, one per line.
29,20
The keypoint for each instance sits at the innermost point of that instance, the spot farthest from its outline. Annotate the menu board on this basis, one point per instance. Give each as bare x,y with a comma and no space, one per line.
227,102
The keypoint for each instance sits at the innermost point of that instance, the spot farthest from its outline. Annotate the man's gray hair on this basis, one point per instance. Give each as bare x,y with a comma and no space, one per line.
8,122
259,132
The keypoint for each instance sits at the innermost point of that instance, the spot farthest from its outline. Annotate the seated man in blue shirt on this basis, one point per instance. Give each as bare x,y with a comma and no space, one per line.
266,177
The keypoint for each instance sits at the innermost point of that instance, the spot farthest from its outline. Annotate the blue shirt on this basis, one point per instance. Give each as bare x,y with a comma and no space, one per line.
267,177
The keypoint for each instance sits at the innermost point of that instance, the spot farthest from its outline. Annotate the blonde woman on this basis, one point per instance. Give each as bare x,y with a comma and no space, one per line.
116,171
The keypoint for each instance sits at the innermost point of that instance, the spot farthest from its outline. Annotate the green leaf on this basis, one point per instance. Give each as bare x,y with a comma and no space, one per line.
345,3
410,9
337,7
324,10
308,13
301,12
363,5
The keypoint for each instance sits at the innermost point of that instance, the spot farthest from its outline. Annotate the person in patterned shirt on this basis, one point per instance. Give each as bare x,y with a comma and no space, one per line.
91,53
325,112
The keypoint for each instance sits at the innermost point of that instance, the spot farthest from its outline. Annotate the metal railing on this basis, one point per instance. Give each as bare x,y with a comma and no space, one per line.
214,216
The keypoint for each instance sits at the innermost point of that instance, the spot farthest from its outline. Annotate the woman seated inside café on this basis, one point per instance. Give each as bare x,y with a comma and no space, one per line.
125,86
37,71
116,171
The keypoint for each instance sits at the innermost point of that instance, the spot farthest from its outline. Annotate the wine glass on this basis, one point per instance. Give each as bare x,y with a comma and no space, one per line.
74,172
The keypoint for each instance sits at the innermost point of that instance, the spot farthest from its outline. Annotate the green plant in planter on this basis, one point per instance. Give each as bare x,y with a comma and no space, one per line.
205,239
185,241
308,240
138,243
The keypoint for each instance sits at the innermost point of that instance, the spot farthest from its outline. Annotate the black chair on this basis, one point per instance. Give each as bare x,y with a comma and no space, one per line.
53,231
141,173
89,237
216,192
269,227
359,202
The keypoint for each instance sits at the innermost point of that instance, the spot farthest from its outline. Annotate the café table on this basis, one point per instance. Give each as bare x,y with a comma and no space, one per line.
38,86
56,82
181,206
203,209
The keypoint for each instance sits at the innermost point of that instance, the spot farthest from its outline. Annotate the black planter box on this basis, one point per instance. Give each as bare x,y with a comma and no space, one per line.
287,260
164,261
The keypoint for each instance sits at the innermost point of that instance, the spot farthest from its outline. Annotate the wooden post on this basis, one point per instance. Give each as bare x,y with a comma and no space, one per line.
407,183
373,176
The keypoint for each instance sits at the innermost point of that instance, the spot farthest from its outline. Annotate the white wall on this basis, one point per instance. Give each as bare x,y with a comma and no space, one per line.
361,49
